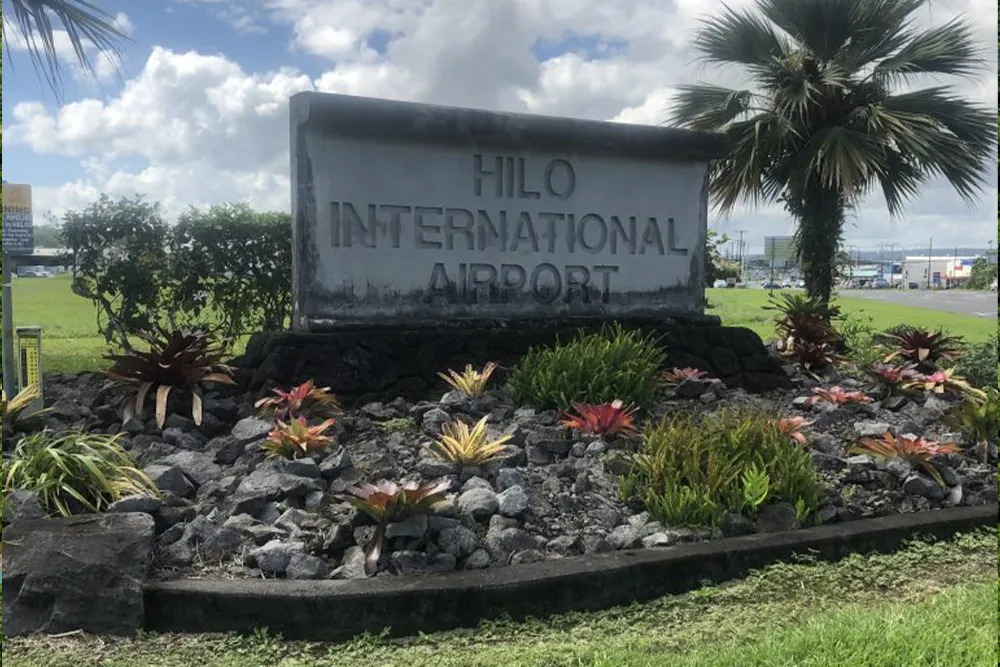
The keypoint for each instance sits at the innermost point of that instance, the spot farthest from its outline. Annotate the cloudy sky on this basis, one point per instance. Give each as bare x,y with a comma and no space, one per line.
199,115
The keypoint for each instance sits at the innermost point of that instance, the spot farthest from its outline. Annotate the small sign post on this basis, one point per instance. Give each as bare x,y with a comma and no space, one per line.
18,239
29,347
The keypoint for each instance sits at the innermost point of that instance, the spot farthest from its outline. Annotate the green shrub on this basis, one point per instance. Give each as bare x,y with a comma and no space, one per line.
74,471
859,340
978,363
691,472
595,368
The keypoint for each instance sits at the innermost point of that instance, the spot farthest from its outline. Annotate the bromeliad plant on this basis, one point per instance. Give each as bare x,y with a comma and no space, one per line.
606,420
805,331
838,396
297,438
470,383
977,420
306,400
913,450
181,360
676,376
891,379
922,347
388,502
73,468
943,382
460,444
792,427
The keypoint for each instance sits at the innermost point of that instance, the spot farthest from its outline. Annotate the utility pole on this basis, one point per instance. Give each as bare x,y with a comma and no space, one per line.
930,253
741,253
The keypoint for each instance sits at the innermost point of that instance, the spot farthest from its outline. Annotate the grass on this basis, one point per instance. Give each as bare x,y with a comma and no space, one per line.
745,308
925,605
70,342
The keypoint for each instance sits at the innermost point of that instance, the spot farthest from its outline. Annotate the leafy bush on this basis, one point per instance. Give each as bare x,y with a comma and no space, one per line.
74,471
693,472
228,264
978,363
596,368
978,420
179,360
859,340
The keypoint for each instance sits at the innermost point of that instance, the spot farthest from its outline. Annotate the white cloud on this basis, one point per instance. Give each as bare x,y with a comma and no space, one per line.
206,130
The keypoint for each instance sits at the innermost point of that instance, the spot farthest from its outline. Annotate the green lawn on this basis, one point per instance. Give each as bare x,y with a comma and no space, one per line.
71,343
745,308
930,605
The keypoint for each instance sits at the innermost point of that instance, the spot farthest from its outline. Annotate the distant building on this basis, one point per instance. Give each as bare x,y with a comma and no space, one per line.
937,271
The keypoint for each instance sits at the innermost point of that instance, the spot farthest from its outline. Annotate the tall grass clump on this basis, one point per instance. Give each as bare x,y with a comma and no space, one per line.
595,368
74,472
978,364
692,472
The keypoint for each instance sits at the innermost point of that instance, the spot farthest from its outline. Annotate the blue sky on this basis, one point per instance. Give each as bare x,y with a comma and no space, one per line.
198,116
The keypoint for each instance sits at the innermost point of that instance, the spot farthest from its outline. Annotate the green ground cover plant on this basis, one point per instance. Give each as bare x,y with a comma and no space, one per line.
692,472
596,368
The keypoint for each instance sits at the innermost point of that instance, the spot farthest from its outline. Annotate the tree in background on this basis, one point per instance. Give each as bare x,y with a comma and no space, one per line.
823,126
715,266
83,22
983,273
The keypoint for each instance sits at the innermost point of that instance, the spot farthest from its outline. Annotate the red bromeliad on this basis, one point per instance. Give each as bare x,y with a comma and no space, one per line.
387,502
306,399
297,438
607,419
838,396
678,375
908,448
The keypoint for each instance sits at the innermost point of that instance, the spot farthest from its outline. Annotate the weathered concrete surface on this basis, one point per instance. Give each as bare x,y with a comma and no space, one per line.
340,610
408,213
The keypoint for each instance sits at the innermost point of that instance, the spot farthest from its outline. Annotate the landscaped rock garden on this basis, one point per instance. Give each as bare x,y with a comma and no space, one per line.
274,489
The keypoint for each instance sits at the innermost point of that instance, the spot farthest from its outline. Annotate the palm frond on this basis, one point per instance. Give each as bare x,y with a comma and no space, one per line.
947,49
708,107
734,37
84,23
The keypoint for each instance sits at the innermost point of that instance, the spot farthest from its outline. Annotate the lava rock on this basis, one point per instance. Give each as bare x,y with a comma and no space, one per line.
21,505
433,468
479,503
352,566
458,541
502,544
198,467
657,540
565,545
419,563
251,429
275,556
592,544
508,477
871,429
596,448
170,479
181,439
137,503
624,537
226,449
305,567
79,573
513,502
734,525
413,526
776,518
477,560
919,484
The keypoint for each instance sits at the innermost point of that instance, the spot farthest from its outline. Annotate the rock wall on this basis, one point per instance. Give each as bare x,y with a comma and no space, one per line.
364,365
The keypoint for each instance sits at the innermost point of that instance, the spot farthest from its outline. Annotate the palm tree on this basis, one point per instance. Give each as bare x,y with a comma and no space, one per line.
827,119
83,22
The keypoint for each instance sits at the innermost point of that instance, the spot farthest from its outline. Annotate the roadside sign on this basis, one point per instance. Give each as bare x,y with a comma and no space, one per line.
18,227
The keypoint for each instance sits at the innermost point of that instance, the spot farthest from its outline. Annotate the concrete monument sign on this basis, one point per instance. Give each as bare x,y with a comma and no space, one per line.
416,214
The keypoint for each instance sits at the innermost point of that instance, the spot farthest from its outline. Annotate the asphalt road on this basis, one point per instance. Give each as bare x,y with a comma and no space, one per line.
980,304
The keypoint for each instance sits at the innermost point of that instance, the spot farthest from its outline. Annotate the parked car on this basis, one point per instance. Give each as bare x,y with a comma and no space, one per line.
801,284
913,284
879,283
993,285
719,284
33,272
768,284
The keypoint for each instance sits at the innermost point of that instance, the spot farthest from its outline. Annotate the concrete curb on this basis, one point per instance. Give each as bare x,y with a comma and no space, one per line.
340,610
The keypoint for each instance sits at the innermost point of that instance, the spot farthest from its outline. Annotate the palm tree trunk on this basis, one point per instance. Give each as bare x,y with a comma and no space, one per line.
821,222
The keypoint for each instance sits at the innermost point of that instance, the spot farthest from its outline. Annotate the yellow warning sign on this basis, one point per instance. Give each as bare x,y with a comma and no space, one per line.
29,361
